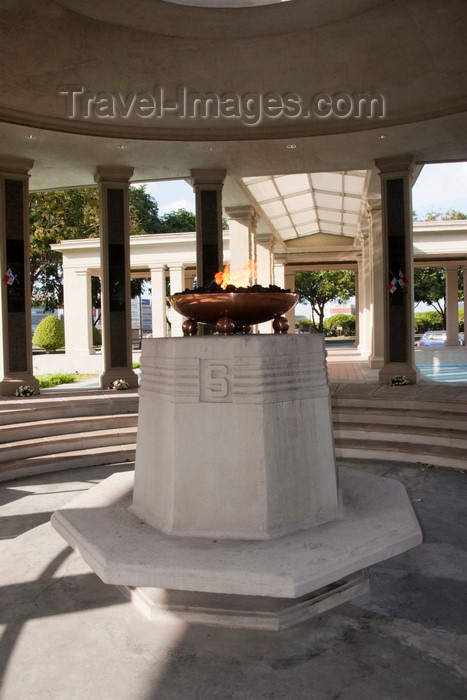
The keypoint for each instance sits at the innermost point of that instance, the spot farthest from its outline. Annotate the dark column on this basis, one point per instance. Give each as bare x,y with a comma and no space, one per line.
15,298
396,186
115,274
209,254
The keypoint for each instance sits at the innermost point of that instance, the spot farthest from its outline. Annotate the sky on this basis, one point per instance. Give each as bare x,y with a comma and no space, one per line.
438,188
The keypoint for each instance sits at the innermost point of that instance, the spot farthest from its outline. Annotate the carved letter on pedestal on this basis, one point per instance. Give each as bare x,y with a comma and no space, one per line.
215,381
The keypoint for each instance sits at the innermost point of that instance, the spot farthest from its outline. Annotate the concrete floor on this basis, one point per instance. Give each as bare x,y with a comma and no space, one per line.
68,636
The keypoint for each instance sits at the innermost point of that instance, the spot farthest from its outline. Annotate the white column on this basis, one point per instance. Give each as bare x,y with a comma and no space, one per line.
357,304
378,327
177,284
264,258
265,268
158,302
452,304
77,296
464,269
363,295
289,283
279,274
242,230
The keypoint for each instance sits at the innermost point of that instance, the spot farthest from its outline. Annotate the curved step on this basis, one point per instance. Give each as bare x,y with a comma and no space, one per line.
35,408
55,432
47,427
402,452
56,444
421,436
428,429
111,454
50,433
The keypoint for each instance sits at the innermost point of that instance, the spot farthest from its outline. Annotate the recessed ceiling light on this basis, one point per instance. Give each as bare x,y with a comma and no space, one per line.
381,136
291,146
122,146
222,4
31,137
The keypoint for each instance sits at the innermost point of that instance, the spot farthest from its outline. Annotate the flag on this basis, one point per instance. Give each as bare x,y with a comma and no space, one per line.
9,277
397,282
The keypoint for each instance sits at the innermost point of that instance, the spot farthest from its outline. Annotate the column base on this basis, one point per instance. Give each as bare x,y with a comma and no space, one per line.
375,362
8,385
84,351
241,611
395,369
111,375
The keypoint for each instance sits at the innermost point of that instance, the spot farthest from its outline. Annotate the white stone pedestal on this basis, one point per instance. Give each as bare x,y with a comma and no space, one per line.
234,516
235,436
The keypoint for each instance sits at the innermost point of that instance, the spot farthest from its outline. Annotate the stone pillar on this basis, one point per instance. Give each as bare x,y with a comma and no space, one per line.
279,273
115,265
265,268
15,299
357,302
177,284
77,295
265,257
208,185
377,295
289,283
362,293
464,270
158,302
242,229
452,304
397,258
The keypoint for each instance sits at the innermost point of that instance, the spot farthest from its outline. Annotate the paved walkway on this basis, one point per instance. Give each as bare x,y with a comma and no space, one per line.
345,366
68,636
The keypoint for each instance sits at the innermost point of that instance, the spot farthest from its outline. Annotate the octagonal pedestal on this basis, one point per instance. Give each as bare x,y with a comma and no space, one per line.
233,515
235,436
265,584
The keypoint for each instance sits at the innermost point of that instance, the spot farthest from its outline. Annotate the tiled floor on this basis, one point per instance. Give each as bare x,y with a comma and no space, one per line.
345,366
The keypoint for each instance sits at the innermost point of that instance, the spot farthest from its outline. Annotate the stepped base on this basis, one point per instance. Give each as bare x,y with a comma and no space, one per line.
245,612
376,522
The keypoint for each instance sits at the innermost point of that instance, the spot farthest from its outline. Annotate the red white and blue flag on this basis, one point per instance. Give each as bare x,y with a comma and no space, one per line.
397,282
9,277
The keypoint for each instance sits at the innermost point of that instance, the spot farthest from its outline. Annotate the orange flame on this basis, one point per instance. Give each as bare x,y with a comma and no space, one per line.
243,277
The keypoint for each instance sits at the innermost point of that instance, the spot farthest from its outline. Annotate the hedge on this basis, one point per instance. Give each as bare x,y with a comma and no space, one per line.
49,334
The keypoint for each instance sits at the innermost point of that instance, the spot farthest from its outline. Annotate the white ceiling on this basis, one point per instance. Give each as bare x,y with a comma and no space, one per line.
310,203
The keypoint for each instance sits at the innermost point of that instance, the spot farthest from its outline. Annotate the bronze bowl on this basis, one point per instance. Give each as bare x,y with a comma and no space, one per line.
243,308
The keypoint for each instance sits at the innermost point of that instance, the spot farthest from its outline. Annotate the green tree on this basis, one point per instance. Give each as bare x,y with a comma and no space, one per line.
430,288
346,323
449,215
54,216
178,221
73,214
428,321
320,287
144,212
49,334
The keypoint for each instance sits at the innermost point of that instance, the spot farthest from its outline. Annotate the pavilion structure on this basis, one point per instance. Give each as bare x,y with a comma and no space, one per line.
169,262
307,126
